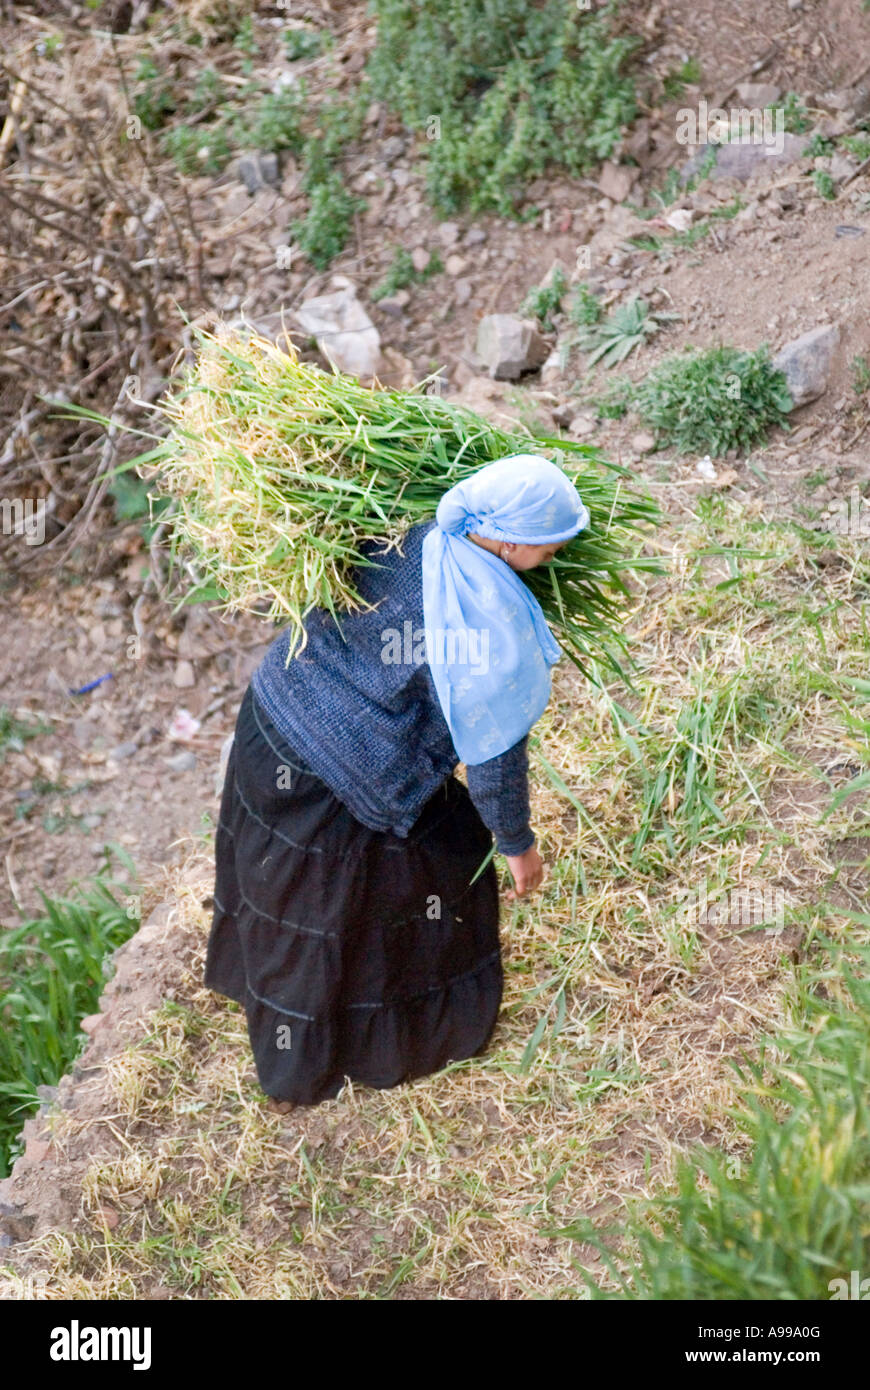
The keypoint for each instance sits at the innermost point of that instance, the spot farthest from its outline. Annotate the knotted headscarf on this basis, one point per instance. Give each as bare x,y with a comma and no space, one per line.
487,641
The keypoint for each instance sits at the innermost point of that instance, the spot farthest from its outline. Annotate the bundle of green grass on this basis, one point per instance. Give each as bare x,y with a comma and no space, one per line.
281,471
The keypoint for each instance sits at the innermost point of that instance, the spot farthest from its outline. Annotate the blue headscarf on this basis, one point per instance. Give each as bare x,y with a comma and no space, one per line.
487,641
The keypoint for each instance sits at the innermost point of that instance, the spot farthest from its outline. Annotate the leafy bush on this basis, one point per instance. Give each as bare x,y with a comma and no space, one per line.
545,301
154,103
584,308
51,976
198,149
624,330
323,232
615,401
713,401
402,273
276,123
501,90
305,43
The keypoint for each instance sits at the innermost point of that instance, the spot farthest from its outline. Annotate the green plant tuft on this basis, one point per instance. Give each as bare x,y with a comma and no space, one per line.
715,400
502,90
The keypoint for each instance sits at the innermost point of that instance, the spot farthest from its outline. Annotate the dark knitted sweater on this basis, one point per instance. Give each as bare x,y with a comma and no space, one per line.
372,728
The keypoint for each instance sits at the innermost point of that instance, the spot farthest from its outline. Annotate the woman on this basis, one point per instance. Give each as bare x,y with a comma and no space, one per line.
353,917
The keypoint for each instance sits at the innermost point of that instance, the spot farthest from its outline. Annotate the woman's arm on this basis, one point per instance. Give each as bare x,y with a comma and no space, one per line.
499,789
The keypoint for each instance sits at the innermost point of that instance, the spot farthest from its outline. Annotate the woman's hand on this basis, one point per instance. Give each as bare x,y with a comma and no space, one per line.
527,871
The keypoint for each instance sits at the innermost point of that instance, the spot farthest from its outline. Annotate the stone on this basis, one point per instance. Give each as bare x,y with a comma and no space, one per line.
617,180
448,233
455,265
464,291
475,236
124,750
680,219
392,305
643,442
582,425
392,149
508,345
841,167
741,161
256,171
420,258
344,332
184,676
806,362
758,93
182,762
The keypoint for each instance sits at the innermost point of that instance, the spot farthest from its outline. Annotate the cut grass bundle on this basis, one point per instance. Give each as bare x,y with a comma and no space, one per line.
282,471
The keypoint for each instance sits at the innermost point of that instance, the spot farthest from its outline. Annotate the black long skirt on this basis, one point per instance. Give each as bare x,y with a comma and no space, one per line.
355,953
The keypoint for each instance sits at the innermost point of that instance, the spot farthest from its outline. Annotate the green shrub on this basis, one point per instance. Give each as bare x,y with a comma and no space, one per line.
51,976
154,103
615,401
824,184
708,402
305,43
544,302
276,123
198,149
584,308
323,232
502,90
402,273
627,328
208,90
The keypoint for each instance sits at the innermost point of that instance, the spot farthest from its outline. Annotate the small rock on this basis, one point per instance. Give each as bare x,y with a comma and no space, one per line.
706,469
680,219
345,334
109,1216
475,236
806,362
740,161
617,180
420,258
582,425
392,305
257,170
464,290
643,442
509,346
841,167
392,149
184,676
90,1023
448,233
183,727
182,762
758,93
455,265
124,750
